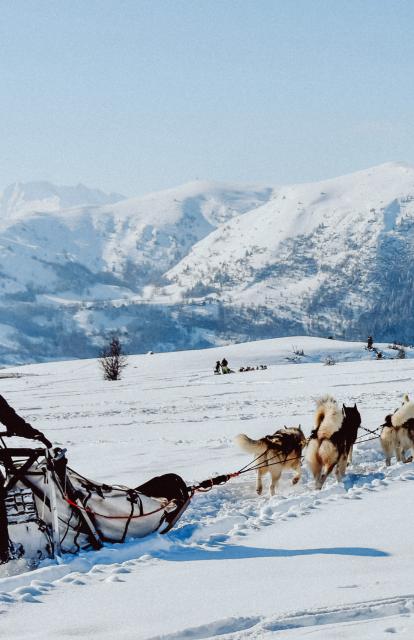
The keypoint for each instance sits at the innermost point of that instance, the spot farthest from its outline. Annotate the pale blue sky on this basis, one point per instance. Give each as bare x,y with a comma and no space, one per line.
137,95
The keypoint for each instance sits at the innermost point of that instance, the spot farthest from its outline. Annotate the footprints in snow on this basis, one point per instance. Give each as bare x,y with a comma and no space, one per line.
226,515
111,573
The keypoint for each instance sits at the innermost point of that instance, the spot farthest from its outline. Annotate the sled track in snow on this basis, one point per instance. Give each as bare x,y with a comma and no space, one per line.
228,513
255,628
213,526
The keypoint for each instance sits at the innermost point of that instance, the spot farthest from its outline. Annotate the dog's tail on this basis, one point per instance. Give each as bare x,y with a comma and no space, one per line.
249,445
404,413
319,415
328,417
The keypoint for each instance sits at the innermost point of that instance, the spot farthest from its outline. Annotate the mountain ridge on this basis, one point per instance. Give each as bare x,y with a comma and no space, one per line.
208,263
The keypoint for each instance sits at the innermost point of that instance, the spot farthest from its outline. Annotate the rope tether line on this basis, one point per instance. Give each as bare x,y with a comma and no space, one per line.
207,485
372,431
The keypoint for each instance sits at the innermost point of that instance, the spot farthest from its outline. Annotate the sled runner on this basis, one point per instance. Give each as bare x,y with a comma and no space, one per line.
48,509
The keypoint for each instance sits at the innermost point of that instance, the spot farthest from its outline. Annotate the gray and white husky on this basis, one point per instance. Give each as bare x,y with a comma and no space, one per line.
275,453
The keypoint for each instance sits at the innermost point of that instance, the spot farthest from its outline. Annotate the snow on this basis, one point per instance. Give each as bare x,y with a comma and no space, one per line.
61,243
329,564
206,263
22,199
325,255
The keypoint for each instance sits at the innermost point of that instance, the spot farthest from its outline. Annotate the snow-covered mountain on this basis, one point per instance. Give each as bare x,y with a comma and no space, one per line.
206,264
332,257
66,272
20,199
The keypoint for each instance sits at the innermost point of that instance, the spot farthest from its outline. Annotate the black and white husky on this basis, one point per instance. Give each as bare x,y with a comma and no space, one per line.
331,441
282,450
397,435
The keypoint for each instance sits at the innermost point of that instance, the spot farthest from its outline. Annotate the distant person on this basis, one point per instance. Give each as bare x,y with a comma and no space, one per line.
217,367
370,342
225,366
17,426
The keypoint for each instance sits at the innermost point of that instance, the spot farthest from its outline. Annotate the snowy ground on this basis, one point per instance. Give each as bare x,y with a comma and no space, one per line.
329,564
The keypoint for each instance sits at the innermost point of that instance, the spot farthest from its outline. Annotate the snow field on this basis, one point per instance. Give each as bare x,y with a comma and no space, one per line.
334,563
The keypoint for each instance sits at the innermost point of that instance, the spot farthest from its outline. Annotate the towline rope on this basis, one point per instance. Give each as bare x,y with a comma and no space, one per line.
207,485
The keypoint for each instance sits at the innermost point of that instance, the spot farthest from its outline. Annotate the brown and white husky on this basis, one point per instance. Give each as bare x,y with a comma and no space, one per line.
282,450
331,441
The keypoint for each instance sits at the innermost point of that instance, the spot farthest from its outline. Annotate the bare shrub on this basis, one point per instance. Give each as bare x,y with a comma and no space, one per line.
113,360
297,351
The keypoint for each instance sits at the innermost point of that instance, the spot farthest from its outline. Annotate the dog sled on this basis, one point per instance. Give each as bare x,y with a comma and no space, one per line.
47,509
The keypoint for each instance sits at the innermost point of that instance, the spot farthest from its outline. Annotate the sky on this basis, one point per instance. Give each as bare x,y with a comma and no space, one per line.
134,96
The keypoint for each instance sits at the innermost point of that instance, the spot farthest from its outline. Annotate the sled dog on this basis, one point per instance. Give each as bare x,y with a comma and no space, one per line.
331,441
282,450
397,435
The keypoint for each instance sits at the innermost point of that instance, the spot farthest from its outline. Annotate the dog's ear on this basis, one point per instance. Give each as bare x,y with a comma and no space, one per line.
355,406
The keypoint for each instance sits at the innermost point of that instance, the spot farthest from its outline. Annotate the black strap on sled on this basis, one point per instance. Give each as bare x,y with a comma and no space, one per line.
87,525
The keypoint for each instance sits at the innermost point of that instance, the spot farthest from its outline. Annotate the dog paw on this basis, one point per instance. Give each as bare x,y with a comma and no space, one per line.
295,480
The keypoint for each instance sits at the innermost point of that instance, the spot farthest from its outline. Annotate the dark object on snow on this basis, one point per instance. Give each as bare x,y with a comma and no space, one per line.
370,342
173,488
225,366
217,367
379,355
260,367
17,426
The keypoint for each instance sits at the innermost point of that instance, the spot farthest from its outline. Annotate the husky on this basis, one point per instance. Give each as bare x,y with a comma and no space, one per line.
282,450
331,441
397,435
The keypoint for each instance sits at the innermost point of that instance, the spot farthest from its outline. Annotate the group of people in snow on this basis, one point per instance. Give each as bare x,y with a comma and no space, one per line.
223,367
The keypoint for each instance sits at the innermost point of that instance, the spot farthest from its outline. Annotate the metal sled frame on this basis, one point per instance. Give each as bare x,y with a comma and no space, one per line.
16,462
